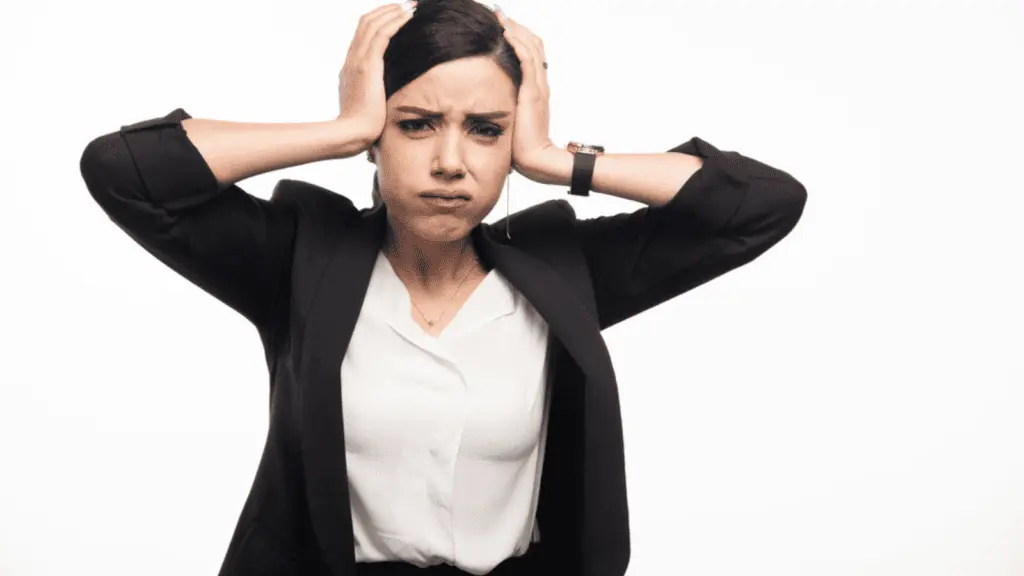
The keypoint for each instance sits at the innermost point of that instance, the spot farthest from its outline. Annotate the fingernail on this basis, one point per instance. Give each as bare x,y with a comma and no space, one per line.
498,10
409,7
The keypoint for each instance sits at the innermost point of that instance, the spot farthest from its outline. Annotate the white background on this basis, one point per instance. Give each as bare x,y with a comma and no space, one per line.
848,404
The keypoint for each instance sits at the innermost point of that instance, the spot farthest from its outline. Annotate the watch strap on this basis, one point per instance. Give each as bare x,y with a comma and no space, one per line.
582,173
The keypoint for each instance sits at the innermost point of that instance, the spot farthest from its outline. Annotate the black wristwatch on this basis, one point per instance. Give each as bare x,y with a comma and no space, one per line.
584,157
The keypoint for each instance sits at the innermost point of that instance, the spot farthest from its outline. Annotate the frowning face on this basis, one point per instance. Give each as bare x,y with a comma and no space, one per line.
446,148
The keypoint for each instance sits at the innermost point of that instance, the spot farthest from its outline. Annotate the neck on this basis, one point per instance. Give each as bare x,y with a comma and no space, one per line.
431,265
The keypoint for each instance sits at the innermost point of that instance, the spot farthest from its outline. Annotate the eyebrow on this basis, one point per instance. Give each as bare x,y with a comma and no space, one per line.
434,115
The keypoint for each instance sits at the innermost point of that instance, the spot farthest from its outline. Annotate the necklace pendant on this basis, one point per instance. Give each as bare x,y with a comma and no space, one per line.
431,322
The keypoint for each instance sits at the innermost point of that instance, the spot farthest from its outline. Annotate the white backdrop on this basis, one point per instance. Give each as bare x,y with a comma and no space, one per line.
849,404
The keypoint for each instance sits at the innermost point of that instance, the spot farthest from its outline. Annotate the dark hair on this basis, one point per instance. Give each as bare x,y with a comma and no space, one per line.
441,31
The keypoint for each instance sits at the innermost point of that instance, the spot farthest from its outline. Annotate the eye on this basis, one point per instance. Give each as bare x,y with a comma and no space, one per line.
417,125
488,130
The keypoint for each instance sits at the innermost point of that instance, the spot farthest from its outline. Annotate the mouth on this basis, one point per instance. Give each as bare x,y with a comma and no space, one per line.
445,198
445,195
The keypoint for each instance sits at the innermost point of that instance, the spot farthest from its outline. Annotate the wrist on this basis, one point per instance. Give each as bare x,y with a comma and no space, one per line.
551,166
351,137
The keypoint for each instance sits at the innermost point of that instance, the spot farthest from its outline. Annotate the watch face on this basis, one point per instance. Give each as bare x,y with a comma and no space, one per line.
576,147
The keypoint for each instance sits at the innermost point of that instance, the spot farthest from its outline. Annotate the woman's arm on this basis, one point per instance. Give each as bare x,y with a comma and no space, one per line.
168,182
235,151
709,212
651,179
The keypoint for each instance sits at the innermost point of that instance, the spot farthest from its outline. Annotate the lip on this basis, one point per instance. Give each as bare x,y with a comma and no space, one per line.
445,202
445,195
450,199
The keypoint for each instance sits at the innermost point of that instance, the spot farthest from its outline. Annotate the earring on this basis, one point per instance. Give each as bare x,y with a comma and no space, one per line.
508,205
370,157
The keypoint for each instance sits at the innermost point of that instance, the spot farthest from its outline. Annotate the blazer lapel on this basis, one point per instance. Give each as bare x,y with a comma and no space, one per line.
593,466
330,324
547,290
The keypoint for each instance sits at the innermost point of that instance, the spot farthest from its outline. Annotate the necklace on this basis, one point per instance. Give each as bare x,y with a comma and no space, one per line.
432,321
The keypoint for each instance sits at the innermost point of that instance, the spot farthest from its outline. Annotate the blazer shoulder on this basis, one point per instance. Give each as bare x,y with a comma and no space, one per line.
314,203
542,219
546,231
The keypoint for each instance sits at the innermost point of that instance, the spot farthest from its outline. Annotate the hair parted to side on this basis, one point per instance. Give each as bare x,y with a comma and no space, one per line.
441,31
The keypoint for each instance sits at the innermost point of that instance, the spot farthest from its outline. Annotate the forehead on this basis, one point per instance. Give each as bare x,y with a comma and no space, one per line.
468,84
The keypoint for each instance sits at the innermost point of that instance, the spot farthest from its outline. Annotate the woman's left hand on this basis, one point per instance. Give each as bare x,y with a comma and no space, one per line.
533,152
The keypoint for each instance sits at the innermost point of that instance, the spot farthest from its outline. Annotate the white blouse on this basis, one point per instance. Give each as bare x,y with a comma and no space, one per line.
444,437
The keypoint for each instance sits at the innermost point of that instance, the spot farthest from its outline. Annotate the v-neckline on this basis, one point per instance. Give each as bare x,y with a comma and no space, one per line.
409,310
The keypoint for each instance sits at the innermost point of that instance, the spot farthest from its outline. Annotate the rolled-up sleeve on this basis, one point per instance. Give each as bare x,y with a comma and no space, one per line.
151,181
729,212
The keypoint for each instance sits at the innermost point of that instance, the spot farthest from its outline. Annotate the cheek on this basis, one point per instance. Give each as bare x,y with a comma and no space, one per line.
398,168
491,166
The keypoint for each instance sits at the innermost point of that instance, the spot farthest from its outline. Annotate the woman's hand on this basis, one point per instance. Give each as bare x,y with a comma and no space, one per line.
361,80
534,155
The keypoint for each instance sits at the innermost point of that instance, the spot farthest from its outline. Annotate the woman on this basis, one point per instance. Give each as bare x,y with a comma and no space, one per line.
441,397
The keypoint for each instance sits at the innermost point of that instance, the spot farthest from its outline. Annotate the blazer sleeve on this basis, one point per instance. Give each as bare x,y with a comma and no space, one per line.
727,214
153,183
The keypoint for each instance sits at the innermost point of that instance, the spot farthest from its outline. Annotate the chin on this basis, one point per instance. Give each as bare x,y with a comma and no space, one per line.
442,227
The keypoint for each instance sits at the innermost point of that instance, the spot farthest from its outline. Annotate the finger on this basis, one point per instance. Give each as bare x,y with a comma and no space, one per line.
532,49
359,38
385,31
366,19
371,26
537,49
369,23
522,52
531,60
525,33
533,70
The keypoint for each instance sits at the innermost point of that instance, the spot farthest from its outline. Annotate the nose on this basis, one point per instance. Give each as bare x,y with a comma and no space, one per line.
448,160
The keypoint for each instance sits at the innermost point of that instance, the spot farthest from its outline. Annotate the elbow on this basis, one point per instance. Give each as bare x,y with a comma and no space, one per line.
95,169
97,154
792,206
785,208
89,163
109,174
98,164
771,211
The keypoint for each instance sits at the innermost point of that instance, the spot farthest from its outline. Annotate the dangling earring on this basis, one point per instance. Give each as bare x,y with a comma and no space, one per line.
370,157
508,205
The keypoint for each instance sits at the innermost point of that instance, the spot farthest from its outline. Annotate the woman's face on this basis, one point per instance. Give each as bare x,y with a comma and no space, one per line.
448,133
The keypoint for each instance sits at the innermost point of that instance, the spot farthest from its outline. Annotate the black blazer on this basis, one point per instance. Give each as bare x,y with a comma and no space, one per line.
298,266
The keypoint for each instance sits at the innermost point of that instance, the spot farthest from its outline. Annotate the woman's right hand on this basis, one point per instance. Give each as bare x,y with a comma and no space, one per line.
361,81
